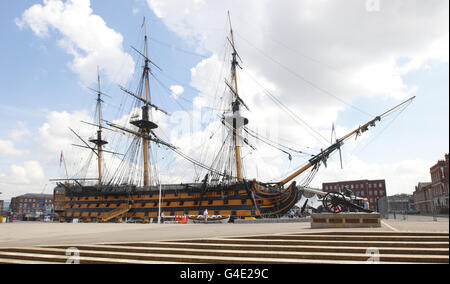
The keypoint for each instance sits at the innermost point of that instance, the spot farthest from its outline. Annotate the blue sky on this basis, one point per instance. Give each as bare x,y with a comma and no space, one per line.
37,79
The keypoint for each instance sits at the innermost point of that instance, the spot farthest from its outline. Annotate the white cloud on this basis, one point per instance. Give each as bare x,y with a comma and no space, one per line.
339,47
7,148
176,91
55,137
20,131
28,173
311,55
85,36
28,177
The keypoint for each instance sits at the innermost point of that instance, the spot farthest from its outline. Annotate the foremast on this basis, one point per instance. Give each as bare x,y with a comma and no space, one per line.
146,127
236,120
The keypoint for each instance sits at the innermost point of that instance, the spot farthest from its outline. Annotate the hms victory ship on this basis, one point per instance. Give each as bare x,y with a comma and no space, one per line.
133,191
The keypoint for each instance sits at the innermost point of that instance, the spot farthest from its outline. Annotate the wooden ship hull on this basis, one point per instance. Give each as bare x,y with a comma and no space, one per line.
109,204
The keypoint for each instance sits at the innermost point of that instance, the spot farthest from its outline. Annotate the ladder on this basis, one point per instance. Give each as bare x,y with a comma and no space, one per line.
115,213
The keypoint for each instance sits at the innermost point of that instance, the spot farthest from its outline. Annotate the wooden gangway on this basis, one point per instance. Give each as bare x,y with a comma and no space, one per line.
114,214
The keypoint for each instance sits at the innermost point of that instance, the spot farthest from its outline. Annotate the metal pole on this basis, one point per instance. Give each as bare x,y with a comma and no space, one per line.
159,203
434,211
1,212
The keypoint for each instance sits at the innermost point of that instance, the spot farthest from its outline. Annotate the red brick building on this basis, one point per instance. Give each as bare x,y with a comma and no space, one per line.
31,204
373,190
422,198
432,197
439,184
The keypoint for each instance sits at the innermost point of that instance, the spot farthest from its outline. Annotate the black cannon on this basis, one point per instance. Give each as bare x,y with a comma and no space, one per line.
336,202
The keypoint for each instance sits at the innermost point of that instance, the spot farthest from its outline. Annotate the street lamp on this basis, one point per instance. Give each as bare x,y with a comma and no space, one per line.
159,202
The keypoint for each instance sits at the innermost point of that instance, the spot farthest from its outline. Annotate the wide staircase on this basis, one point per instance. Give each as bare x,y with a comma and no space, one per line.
343,247
114,214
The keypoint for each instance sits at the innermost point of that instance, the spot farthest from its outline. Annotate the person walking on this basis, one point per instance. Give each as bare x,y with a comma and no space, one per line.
205,214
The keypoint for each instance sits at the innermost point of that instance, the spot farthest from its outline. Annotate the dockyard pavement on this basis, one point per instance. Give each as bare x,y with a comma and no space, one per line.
21,234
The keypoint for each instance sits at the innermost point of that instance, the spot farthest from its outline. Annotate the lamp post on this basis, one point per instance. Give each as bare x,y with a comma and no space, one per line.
159,203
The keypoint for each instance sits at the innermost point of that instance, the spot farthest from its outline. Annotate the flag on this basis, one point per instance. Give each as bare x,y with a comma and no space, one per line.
332,131
143,23
61,159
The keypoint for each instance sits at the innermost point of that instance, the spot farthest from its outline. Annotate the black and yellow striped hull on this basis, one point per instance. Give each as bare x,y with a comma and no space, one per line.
240,200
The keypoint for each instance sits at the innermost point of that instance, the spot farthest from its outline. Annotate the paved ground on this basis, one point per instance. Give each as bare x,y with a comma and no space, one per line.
21,234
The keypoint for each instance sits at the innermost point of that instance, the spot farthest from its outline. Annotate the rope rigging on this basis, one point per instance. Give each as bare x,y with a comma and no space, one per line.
223,167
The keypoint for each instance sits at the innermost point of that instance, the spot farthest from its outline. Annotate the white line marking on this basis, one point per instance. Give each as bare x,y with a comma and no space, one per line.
389,226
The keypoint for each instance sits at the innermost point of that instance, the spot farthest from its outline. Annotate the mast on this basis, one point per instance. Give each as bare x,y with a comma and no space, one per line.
99,146
145,110
99,142
238,121
145,125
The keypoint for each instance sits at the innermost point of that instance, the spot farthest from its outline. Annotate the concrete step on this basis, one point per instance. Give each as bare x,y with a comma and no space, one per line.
374,233
349,247
49,257
90,257
21,261
393,238
342,254
299,248
271,242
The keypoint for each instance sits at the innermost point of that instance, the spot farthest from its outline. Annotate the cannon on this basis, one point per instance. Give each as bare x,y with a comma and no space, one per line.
336,202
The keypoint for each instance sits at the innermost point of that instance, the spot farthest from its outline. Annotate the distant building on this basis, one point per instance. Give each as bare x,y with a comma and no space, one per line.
439,184
31,205
400,203
373,190
2,204
422,198
432,197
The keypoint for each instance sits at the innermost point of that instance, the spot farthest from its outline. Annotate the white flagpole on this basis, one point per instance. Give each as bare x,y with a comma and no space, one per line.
65,166
159,203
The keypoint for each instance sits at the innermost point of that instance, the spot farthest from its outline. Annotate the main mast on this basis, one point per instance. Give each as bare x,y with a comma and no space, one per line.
145,125
238,121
